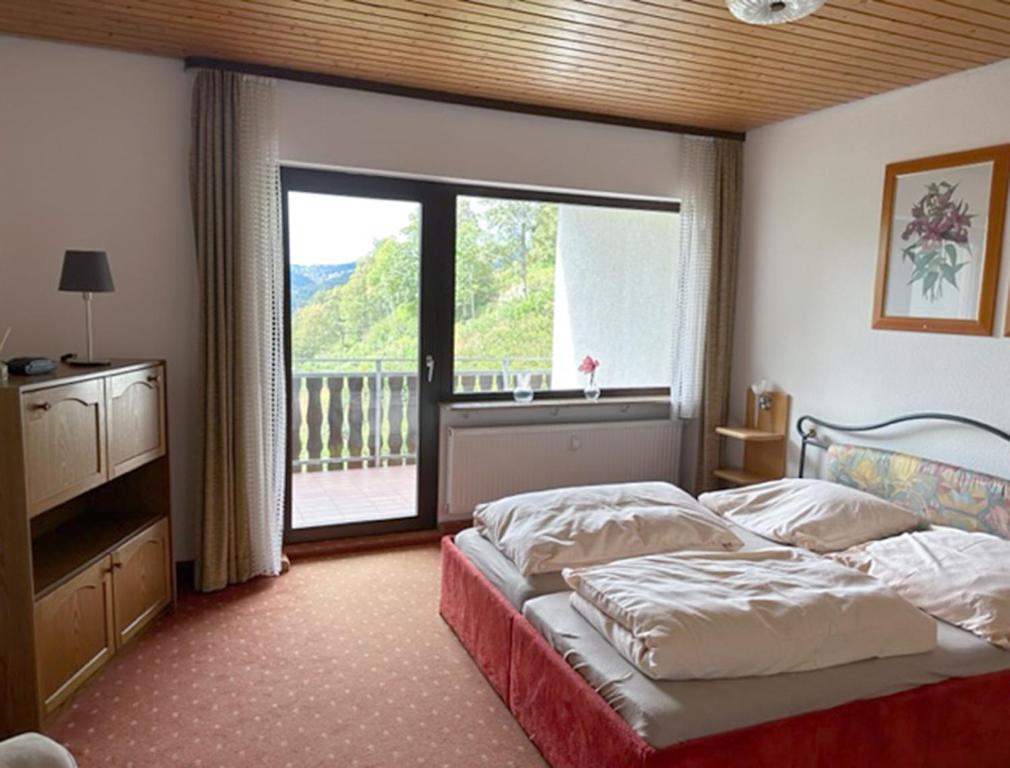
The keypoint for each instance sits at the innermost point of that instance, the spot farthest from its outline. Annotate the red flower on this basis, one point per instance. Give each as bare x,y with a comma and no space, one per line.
588,365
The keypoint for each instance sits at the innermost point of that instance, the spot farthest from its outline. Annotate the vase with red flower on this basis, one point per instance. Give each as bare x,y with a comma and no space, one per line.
588,366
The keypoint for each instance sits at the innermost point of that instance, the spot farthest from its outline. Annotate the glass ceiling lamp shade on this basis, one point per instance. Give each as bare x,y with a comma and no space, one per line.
772,11
86,272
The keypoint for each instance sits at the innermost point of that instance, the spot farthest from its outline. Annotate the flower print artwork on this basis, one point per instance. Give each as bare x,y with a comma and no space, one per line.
941,246
940,242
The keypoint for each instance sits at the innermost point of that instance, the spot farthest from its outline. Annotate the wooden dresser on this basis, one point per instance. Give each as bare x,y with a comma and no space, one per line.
85,530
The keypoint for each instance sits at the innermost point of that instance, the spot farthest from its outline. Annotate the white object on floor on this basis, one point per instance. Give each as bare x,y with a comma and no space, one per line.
33,750
546,531
814,514
702,615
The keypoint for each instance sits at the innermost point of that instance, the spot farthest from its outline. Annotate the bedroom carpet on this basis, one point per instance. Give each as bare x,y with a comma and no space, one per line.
343,661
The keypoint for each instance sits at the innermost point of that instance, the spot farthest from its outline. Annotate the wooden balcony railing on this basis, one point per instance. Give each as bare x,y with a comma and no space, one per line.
349,414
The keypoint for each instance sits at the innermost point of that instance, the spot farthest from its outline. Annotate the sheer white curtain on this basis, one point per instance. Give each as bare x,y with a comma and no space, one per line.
235,177
712,171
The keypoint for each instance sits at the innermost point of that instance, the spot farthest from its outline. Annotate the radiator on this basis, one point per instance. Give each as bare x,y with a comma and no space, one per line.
486,463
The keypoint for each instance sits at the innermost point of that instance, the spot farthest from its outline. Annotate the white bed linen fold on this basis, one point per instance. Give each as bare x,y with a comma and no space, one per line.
699,615
958,576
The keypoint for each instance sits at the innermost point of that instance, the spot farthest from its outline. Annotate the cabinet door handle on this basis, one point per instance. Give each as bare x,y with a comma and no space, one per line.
42,406
152,378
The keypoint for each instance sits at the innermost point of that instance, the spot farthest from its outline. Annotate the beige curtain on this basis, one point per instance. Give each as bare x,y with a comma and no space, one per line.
235,186
712,171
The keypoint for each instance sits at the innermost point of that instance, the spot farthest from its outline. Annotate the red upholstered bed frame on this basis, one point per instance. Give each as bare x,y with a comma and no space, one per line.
959,722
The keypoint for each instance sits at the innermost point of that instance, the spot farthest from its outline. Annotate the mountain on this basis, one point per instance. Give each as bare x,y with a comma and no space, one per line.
306,279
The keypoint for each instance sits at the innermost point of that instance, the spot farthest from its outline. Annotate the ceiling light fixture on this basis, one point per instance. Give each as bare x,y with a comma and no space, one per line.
772,11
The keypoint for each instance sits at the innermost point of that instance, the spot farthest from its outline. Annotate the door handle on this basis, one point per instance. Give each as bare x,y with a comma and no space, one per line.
429,363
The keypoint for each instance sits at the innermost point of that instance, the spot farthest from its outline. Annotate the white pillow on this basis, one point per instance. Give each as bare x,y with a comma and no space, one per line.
815,514
960,577
545,531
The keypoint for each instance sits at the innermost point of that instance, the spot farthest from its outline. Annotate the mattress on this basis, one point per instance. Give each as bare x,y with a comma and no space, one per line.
503,573
665,713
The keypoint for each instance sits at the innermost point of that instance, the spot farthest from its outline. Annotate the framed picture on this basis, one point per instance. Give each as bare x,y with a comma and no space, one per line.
941,235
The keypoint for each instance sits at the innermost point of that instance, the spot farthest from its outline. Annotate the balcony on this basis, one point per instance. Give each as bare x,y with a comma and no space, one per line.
354,434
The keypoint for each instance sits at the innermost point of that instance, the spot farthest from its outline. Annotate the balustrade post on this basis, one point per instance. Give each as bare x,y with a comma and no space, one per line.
375,415
355,441
394,414
314,419
412,417
335,418
296,422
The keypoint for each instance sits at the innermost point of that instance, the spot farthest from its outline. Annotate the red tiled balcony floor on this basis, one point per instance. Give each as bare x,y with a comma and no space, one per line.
353,495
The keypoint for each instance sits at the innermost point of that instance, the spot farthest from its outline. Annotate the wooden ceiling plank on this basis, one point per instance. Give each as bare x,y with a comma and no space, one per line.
690,73
914,33
688,86
971,14
683,61
794,51
925,12
815,27
682,43
443,77
990,7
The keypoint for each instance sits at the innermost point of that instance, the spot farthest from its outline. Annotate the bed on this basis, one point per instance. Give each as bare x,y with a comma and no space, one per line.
584,706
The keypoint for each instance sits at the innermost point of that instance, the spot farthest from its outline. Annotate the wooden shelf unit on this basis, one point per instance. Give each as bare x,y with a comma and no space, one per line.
764,442
85,528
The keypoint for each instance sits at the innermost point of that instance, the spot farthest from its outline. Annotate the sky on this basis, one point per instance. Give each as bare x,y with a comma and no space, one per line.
333,229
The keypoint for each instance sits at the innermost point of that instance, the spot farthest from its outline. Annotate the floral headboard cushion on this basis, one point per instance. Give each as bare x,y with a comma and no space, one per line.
941,493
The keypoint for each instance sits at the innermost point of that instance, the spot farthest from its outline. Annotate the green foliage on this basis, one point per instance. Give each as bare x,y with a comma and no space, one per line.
505,252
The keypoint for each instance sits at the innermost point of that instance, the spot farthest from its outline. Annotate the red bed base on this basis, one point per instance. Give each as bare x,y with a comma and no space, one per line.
959,722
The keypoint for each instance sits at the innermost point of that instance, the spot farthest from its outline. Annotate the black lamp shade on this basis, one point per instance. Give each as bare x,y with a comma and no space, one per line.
85,271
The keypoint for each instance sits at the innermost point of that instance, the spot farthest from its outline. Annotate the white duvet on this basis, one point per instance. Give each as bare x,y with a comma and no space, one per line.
960,577
695,615
545,531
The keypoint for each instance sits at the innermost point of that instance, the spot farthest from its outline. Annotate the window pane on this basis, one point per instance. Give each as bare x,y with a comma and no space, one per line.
540,285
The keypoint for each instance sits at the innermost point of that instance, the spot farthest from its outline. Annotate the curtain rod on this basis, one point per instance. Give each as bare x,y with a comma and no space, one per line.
444,97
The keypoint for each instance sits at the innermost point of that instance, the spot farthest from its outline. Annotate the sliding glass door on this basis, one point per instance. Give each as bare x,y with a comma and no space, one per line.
362,396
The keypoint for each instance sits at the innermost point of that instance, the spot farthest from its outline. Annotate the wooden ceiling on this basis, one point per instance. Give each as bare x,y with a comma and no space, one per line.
672,61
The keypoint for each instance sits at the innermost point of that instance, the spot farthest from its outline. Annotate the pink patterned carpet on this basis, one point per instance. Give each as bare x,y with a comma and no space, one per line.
342,662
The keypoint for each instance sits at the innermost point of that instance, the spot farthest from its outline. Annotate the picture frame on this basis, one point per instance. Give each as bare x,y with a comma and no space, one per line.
941,237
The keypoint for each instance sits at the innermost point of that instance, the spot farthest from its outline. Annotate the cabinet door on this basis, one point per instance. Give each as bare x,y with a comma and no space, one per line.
136,403
142,580
64,442
73,633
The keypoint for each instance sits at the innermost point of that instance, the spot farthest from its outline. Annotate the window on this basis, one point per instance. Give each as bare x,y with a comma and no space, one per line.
540,284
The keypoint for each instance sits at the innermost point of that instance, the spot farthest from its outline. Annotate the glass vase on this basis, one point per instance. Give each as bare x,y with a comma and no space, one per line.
592,389
523,392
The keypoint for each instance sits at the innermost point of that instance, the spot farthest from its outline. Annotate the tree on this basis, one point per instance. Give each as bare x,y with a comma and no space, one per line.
504,296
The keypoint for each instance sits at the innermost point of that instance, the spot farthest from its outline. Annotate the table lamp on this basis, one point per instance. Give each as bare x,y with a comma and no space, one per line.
86,272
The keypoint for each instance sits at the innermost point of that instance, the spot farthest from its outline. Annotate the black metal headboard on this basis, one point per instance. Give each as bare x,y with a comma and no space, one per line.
806,426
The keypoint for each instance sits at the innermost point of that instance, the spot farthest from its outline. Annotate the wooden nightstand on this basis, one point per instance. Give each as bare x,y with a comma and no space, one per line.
764,441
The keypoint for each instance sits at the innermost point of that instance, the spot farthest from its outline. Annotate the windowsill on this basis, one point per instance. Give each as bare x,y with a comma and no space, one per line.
574,402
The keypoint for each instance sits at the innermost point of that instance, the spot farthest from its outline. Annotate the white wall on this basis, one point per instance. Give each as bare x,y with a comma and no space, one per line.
93,154
354,129
812,196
